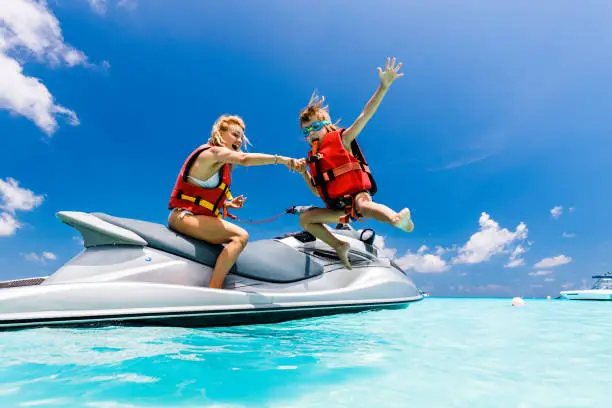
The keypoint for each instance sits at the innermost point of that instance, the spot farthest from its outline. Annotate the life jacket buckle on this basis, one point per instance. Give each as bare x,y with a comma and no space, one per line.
347,203
314,158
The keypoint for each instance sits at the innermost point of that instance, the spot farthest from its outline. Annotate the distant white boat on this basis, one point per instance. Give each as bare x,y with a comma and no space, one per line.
601,290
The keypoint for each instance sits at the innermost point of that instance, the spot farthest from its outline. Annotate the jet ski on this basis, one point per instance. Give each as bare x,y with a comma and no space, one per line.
135,272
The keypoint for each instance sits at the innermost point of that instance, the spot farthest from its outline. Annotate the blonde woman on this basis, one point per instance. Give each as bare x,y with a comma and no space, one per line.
201,194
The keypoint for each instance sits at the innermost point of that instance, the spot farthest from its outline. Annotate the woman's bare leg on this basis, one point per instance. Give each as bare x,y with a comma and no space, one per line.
214,231
313,220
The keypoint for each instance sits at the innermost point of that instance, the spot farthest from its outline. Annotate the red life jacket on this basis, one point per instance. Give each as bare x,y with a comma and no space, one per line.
337,174
199,200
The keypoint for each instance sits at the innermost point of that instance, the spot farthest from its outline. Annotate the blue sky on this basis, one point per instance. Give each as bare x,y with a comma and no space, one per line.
503,114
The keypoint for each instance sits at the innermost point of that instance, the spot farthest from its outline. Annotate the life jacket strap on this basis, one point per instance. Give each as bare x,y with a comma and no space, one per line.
345,168
314,153
226,214
350,212
199,201
212,207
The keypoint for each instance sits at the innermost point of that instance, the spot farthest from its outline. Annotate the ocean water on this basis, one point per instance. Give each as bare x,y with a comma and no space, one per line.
437,353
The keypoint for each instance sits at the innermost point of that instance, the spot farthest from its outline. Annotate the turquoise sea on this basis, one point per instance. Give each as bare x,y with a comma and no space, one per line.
440,352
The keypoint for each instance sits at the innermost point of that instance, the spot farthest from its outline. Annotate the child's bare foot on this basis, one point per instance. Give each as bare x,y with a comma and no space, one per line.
342,252
402,220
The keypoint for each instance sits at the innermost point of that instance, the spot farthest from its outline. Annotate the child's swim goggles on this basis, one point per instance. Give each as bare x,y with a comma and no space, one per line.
316,126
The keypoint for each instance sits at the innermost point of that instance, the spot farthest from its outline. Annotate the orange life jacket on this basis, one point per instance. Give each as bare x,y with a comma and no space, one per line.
339,175
199,200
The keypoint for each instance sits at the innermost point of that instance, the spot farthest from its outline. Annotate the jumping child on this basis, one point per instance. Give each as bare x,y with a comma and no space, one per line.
337,171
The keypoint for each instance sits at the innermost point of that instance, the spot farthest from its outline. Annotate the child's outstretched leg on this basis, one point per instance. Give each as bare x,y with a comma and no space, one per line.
369,209
313,220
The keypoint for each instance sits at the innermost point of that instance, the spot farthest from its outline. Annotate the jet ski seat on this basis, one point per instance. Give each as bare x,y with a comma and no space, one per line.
267,260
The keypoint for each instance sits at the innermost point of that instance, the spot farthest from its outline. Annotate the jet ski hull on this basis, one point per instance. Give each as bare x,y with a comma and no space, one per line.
194,318
142,303
161,279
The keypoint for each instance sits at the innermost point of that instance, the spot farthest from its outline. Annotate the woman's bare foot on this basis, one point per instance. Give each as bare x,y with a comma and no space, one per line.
342,252
403,221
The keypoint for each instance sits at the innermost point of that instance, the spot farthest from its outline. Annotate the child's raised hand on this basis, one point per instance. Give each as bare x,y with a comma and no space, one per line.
390,73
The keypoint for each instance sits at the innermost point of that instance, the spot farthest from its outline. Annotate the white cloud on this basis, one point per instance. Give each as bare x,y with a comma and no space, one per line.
31,256
518,251
28,28
571,210
422,249
556,211
554,261
463,162
49,255
440,250
42,258
30,25
128,4
549,279
540,273
419,262
567,285
482,245
14,198
489,241
515,259
379,242
27,96
79,240
17,198
568,235
515,263
99,6
8,224
422,263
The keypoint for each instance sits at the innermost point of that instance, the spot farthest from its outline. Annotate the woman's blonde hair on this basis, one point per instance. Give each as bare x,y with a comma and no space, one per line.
222,124
316,110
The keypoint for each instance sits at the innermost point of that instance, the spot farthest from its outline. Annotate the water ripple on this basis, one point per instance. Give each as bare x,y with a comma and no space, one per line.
440,352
